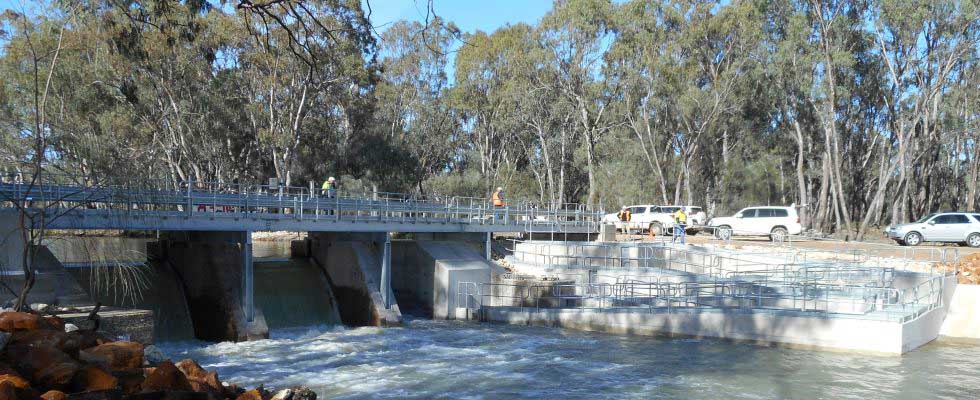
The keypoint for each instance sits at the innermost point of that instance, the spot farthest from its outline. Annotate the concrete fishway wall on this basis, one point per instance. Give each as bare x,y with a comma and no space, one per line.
963,319
426,272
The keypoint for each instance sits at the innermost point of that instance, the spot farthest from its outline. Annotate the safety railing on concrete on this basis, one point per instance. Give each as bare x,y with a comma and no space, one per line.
847,283
193,199
838,300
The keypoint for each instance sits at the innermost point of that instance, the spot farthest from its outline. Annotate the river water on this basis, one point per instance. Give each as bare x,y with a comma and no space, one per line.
447,359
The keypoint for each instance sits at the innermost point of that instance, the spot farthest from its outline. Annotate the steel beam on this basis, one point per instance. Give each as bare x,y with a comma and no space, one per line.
386,272
248,278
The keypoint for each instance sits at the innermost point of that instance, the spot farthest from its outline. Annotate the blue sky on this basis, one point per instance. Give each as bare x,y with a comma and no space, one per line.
472,15
469,15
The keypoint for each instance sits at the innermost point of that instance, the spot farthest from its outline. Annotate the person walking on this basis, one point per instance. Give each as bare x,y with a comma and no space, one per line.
498,203
680,224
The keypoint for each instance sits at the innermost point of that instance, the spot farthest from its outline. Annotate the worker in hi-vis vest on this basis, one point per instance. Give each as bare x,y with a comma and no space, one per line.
329,187
680,224
498,202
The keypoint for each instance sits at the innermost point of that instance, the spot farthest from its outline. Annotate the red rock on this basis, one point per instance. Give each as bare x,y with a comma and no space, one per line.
55,322
130,380
54,395
254,394
15,380
166,376
115,355
88,339
9,391
201,380
46,367
20,321
46,338
14,386
93,378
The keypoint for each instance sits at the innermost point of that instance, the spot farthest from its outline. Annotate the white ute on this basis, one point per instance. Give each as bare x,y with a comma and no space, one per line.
775,222
662,220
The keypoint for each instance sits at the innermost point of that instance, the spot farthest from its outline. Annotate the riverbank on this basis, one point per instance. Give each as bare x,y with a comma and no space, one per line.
42,357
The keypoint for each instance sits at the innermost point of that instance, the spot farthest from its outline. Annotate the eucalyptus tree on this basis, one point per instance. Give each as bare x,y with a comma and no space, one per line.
414,107
578,34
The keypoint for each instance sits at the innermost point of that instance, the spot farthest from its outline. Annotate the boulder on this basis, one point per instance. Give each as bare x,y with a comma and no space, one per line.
54,395
55,322
9,376
39,307
201,380
303,393
153,355
111,394
20,321
285,394
93,378
172,395
130,380
46,367
88,339
45,338
115,355
166,377
10,391
254,394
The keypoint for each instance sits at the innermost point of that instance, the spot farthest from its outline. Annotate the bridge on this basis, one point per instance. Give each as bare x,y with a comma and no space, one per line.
205,231
231,207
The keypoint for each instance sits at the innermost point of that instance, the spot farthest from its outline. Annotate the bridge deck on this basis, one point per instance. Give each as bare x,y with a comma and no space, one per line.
193,209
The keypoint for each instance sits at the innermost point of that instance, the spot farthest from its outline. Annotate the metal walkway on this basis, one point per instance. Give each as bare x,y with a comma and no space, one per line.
231,207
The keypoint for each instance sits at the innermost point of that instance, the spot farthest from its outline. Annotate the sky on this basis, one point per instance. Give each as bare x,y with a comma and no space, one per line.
468,15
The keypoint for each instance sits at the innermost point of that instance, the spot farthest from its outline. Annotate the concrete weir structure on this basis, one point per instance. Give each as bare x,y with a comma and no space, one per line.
846,301
205,247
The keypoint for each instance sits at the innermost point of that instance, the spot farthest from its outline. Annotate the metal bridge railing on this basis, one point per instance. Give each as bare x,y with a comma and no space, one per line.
192,199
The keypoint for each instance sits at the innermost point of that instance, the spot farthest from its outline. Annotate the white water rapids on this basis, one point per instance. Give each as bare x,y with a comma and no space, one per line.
437,359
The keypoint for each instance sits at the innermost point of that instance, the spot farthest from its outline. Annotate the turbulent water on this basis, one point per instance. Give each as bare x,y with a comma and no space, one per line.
428,359
440,359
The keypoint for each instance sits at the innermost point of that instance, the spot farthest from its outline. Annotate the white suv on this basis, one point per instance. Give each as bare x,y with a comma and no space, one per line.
640,218
939,227
775,222
662,220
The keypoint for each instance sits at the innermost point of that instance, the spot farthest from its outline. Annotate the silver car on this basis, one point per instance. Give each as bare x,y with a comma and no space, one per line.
954,227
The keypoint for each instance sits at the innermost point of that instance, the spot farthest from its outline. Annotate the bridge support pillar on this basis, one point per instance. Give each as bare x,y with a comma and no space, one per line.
215,270
488,248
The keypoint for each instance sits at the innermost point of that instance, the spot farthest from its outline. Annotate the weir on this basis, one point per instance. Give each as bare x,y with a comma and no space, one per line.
205,248
847,301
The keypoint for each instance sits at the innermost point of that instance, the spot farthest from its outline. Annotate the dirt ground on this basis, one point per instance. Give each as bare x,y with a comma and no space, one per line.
880,248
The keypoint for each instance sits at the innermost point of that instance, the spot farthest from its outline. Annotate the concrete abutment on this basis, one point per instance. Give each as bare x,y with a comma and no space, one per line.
215,273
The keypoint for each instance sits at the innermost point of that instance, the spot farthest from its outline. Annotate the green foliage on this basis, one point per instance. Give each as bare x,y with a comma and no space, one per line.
834,103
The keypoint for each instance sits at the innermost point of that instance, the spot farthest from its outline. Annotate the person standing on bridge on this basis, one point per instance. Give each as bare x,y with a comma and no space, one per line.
329,188
498,203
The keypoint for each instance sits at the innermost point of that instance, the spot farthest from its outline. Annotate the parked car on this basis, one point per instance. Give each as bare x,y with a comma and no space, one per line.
662,219
640,218
775,222
951,227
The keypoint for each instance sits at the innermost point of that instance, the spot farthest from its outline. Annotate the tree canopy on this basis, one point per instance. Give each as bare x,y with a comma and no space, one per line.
864,112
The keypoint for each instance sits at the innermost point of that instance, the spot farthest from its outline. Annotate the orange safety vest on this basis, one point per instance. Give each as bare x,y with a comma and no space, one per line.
497,201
